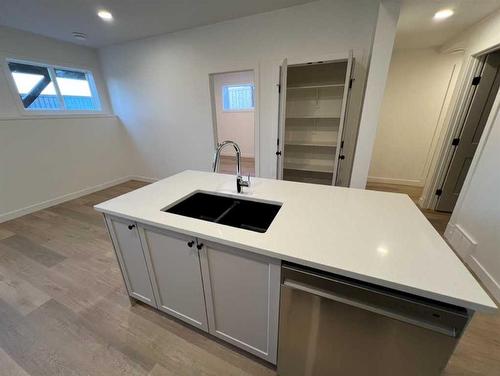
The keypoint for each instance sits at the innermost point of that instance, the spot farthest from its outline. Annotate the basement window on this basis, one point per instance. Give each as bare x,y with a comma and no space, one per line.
238,97
54,89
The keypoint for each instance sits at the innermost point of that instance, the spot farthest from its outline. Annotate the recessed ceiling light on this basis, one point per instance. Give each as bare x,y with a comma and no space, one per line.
443,14
105,15
78,35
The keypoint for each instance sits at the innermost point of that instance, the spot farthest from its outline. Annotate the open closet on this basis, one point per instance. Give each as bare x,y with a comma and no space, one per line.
313,102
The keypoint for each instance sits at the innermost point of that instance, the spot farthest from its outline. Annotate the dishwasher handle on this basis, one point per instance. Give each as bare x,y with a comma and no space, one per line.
413,320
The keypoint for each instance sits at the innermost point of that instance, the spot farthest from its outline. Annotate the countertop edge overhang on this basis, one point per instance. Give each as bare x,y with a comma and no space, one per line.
375,237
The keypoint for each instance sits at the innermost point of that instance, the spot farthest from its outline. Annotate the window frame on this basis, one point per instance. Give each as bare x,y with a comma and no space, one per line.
251,84
63,111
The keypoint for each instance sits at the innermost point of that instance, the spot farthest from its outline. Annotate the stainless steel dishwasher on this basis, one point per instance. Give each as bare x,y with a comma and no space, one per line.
331,325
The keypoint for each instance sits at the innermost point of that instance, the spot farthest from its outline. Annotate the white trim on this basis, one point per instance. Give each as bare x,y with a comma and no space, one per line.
464,246
144,179
461,241
436,144
450,130
493,115
96,98
69,196
410,182
255,110
56,116
325,58
486,278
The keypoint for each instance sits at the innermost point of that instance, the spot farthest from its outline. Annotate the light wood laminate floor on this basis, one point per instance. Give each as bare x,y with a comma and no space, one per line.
228,165
64,310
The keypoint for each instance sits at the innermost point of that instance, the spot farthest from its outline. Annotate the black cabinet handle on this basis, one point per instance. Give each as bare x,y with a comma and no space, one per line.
191,243
130,227
199,246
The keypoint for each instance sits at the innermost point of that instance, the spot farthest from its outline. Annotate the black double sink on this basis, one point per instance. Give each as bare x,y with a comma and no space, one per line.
231,211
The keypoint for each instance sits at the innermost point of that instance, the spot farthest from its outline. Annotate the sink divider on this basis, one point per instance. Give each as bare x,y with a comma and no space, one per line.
236,203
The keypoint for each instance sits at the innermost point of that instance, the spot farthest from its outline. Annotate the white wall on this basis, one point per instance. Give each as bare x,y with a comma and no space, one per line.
419,86
383,42
160,89
44,160
237,126
475,223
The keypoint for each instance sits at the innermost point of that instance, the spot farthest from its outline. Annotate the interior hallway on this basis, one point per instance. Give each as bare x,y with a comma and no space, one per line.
64,309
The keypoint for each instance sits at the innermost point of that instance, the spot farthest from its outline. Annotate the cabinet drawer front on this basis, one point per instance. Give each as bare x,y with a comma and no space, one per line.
131,258
177,276
242,299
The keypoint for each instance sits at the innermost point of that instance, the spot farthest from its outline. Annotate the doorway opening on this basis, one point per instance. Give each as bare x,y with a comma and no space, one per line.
482,93
436,105
234,118
313,102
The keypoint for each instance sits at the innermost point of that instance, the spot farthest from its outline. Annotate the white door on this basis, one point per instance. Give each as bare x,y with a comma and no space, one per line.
130,255
242,295
176,275
343,162
280,144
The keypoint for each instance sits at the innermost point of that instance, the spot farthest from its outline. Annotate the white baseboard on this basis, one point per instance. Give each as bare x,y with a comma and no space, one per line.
486,278
463,243
67,197
465,246
145,179
410,182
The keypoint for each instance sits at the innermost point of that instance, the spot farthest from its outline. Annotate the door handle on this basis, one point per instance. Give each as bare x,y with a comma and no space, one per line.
130,227
199,246
190,244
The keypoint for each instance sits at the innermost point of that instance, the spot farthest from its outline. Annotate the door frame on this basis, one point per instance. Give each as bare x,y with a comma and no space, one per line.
256,111
305,60
445,152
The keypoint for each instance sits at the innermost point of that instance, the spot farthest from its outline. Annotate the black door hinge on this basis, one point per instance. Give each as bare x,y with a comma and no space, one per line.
350,82
341,144
476,80
439,192
279,88
455,141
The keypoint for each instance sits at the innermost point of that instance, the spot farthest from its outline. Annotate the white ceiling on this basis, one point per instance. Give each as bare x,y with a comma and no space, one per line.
417,29
133,19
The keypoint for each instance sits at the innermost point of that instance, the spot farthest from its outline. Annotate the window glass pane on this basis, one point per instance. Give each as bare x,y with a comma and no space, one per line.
238,97
76,90
35,87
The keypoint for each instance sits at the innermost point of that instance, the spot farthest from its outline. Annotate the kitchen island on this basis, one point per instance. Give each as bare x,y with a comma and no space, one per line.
226,280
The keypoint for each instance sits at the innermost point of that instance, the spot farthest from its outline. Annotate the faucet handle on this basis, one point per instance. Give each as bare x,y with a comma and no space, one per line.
245,183
241,182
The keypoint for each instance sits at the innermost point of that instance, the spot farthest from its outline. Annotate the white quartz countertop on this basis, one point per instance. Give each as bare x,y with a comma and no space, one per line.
375,237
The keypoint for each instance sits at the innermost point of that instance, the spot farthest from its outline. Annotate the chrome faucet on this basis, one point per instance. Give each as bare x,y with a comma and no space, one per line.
240,181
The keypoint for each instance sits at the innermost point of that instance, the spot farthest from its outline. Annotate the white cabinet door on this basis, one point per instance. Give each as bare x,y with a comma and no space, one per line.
242,296
176,275
130,255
